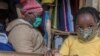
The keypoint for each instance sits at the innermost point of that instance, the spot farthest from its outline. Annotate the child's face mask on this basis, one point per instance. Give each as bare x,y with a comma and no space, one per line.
87,34
37,22
87,27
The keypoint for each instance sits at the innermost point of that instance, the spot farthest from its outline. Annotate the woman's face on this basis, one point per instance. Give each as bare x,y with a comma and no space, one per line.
85,21
31,15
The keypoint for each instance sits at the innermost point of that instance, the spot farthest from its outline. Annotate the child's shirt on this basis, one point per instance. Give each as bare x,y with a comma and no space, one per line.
73,46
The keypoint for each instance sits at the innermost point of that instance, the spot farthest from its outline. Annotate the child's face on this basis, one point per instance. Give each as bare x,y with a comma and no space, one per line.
86,21
86,26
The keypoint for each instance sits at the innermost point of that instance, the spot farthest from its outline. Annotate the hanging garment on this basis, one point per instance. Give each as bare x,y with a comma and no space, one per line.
46,18
47,1
60,21
42,23
58,41
48,29
54,16
65,16
70,17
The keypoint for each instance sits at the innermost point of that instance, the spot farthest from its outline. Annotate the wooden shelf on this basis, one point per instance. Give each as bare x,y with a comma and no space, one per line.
58,32
8,53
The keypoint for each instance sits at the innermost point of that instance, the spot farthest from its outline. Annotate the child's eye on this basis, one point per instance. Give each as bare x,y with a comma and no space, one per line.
80,27
90,26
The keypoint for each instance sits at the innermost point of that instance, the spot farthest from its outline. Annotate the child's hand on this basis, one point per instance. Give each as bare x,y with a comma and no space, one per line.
48,53
54,52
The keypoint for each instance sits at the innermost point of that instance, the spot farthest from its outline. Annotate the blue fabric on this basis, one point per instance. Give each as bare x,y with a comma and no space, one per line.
69,17
6,47
58,41
4,44
46,17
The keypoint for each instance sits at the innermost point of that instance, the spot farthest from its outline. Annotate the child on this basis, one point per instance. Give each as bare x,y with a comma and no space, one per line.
86,43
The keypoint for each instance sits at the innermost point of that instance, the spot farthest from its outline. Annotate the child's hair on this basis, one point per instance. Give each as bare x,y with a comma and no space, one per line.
87,10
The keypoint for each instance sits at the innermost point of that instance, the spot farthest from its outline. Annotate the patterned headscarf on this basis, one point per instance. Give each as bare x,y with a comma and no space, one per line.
31,6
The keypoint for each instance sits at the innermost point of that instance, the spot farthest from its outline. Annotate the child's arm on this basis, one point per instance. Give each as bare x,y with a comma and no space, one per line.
64,51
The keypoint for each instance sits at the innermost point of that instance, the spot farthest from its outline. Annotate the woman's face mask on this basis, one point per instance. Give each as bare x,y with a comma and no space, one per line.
37,22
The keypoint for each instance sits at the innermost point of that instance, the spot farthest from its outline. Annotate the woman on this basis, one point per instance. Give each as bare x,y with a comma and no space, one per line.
22,34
